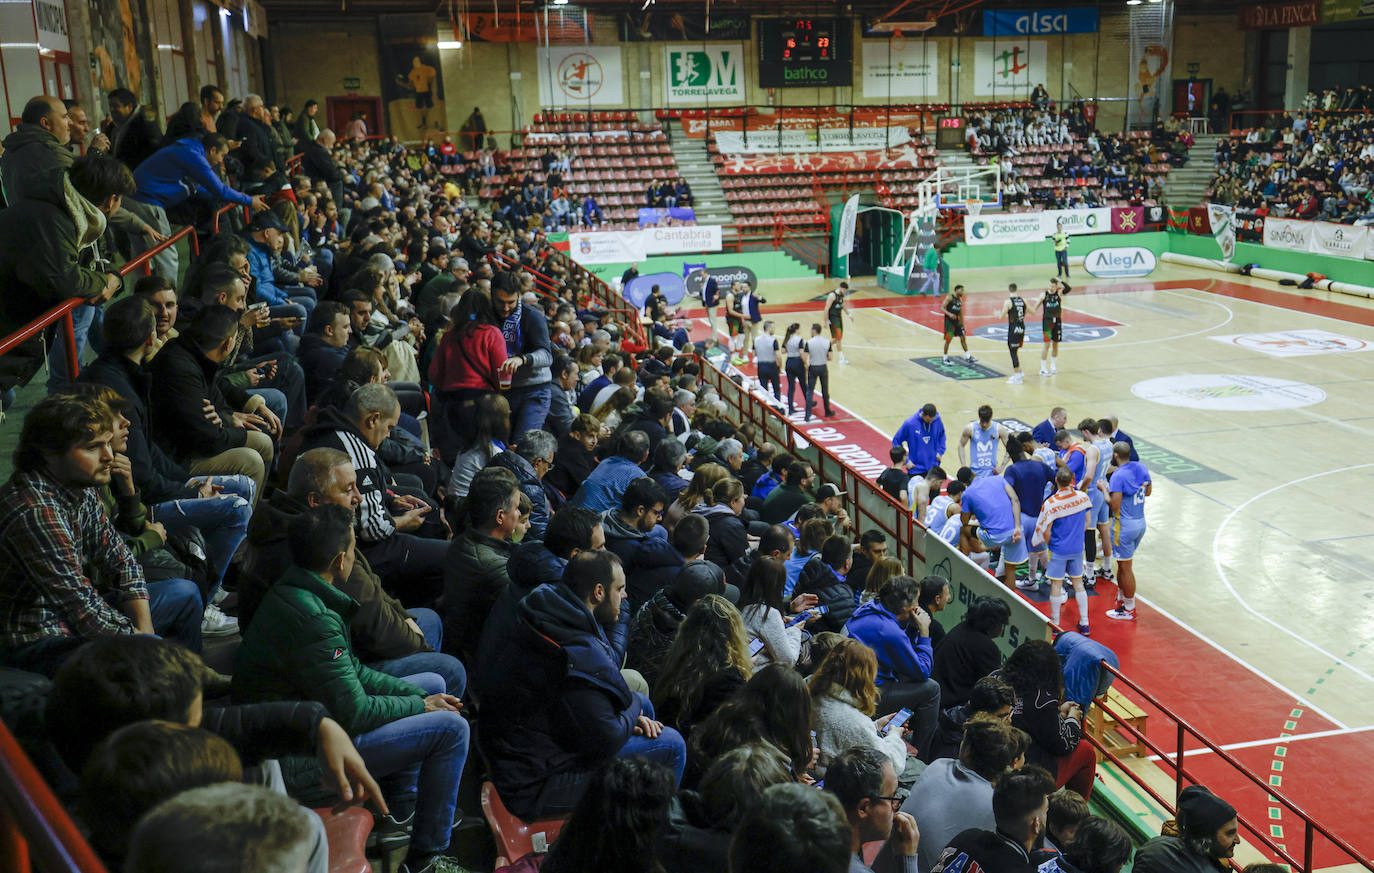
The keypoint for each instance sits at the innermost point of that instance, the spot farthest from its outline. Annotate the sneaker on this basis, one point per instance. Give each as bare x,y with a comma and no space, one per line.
1083,629
946,359
220,596
1105,573
1044,372
843,359
1089,582
389,833
436,864
738,361
1054,371
1027,584
1121,613
1015,379
216,624
970,358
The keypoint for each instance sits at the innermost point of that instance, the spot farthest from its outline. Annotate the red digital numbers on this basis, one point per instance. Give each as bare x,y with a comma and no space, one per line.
823,42
951,122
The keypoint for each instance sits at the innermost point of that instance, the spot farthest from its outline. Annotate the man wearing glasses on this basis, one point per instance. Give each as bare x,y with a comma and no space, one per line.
866,785
633,532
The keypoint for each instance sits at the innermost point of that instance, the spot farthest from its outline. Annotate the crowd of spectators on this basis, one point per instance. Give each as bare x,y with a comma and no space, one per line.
1057,159
661,626
1313,164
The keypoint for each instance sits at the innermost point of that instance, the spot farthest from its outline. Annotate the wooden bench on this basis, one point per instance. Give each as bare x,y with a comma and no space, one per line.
1106,730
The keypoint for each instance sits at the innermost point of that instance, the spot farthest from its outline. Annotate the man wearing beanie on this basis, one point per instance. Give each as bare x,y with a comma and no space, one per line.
1207,837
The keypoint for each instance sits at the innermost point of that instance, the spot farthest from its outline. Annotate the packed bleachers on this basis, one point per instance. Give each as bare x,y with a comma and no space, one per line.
1315,164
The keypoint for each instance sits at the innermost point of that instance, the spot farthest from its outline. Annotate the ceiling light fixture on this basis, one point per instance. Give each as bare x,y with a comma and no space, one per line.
560,2
1133,2
455,44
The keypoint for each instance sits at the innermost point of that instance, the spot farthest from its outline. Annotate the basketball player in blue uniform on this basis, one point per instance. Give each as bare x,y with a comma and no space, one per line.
986,435
1129,487
1099,449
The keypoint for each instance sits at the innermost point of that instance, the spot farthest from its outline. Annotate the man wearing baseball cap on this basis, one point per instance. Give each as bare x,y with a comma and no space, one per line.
1208,834
266,235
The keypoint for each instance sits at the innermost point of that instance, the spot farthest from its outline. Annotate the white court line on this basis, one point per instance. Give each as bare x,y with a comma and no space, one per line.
1225,580
1230,314
1275,741
1251,667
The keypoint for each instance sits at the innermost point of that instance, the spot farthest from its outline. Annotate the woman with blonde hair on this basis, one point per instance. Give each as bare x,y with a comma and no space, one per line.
707,663
844,697
696,494
882,570
610,412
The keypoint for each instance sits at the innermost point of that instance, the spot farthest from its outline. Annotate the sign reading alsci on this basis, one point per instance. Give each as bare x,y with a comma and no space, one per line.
1120,262
708,72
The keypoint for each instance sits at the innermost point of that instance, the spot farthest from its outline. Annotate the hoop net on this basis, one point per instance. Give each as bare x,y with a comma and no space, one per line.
973,207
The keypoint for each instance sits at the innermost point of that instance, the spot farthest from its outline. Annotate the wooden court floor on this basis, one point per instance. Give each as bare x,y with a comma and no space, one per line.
1254,403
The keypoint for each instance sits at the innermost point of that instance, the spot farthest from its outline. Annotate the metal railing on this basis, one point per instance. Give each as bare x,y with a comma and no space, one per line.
35,831
1175,761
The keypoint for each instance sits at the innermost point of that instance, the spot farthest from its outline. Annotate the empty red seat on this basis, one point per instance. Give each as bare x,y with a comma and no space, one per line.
516,838
347,833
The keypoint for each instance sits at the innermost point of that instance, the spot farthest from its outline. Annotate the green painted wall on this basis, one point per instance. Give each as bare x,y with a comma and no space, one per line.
766,265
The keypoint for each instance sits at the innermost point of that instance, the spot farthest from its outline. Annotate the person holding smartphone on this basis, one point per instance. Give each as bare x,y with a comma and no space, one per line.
844,700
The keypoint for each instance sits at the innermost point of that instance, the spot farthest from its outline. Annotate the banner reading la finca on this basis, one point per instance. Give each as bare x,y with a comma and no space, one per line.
582,75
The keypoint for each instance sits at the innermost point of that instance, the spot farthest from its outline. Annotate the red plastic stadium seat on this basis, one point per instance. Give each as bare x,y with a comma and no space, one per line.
515,837
347,835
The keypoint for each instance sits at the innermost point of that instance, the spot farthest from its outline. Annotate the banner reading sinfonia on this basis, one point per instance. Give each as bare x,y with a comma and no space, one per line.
699,73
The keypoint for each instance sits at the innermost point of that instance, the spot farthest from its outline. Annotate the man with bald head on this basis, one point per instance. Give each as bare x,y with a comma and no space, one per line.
318,163
36,150
255,132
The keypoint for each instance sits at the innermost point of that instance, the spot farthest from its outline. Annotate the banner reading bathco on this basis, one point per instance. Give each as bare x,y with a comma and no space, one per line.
699,73
1019,227
626,246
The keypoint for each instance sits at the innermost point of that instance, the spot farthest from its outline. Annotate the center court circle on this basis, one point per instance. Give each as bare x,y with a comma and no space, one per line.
1228,392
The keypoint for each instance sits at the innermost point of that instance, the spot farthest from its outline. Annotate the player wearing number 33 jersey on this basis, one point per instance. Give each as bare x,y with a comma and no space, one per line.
1128,487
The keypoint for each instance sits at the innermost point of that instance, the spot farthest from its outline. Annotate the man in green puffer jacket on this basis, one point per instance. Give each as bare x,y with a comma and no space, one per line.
408,731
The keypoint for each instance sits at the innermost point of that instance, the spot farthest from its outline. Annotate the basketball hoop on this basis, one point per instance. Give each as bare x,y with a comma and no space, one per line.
973,207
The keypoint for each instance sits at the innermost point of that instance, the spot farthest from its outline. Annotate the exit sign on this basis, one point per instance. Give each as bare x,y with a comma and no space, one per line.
352,83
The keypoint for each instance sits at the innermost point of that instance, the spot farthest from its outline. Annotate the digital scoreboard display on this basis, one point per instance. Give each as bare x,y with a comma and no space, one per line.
949,132
805,52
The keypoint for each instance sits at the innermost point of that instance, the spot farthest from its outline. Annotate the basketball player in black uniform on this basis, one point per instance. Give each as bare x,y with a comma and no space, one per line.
834,314
1015,311
734,322
953,308
1051,304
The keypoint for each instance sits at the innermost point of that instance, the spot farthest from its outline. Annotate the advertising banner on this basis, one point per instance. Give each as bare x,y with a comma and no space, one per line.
580,75
675,240
1281,16
1288,233
510,26
1347,10
1020,227
698,73
724,276
658,214
774,142
1152,39
900,67
607,247
905,158
848,218
1222,221
637,291
656,25
1022,22
1341,240
1008,66
1120,262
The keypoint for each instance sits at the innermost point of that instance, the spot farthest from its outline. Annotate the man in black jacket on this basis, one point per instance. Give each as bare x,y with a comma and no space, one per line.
254,130
49,252
184,382
324,347
135,135
1020,804
318,163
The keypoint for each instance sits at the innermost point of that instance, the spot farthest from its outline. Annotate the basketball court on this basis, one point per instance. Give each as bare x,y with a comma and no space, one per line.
1249,403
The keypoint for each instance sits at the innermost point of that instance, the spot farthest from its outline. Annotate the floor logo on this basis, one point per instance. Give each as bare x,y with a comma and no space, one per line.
958,368
1074,332
1228,392
1294,343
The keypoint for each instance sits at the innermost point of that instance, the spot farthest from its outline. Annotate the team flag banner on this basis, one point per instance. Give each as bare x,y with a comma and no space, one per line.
1221,219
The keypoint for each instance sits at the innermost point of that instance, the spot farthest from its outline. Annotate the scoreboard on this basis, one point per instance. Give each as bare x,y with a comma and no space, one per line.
806,52
949,132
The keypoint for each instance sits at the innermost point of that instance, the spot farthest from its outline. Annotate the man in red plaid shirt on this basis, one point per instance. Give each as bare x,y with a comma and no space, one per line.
66,576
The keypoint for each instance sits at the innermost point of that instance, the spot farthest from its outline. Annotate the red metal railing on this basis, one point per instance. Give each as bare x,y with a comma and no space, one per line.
1183,731
35,831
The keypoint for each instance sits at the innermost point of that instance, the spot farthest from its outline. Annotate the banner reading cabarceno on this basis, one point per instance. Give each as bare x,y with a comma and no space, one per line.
699,73
622,246
1020,227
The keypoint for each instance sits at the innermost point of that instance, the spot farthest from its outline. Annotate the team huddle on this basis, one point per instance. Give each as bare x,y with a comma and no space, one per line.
1045,498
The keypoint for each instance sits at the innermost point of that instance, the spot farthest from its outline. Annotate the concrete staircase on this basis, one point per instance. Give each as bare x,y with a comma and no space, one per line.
695,166
1185,186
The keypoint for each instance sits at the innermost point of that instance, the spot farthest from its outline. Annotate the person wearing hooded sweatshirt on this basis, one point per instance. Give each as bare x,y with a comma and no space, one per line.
529,461
49,251
555,706
656,622
632,532
905,658
475,569
824,576
924,437
1207,837
729,537
571,531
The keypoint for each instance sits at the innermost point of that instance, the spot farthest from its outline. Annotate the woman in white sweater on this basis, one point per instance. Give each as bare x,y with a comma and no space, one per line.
761,605
844,698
